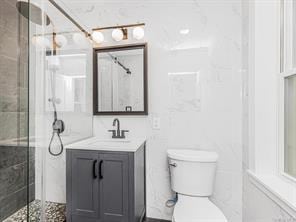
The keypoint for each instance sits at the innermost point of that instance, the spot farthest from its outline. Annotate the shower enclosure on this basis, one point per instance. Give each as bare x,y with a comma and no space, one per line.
45,102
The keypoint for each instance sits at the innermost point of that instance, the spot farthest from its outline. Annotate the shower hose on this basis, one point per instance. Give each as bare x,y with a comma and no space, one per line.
58,127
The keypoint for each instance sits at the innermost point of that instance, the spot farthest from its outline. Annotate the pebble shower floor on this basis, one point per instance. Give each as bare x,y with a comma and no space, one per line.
55,212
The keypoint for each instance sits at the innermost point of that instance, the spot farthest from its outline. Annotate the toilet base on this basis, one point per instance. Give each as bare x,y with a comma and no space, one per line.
196,209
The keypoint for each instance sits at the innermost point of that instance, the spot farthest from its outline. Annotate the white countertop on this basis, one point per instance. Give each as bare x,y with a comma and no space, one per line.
96,143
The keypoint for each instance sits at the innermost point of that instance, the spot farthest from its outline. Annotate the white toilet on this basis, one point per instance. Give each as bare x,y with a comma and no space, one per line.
192,177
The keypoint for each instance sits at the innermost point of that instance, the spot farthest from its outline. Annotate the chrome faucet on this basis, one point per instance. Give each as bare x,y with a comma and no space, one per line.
118,134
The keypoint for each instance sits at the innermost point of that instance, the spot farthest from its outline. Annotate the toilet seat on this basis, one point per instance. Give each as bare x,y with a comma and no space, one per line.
196,209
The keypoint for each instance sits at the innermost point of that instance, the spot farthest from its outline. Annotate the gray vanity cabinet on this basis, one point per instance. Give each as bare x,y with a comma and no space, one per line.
105,186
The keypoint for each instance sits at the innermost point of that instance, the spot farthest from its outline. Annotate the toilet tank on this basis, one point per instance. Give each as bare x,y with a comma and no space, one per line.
192,171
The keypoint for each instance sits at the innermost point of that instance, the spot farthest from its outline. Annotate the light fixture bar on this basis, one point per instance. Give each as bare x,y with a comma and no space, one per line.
118,26
56,33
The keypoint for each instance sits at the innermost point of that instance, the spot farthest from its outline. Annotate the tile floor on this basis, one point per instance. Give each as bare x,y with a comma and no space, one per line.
55,212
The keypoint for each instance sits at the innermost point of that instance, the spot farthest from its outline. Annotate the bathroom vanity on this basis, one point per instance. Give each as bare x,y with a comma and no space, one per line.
106,180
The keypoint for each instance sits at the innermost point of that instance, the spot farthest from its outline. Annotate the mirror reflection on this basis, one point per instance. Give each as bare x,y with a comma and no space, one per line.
68,83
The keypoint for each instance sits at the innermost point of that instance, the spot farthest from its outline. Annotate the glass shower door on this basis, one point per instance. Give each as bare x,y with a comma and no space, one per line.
45,88
60,104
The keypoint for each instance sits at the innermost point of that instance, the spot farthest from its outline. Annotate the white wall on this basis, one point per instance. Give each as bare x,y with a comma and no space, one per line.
200,111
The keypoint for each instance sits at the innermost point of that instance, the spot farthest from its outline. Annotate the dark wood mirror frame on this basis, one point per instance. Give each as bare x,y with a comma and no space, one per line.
95,78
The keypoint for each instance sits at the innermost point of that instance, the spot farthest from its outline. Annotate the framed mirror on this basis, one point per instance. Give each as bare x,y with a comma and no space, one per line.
120,80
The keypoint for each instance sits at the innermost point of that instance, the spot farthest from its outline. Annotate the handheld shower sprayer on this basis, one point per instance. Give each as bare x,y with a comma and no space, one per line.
58,127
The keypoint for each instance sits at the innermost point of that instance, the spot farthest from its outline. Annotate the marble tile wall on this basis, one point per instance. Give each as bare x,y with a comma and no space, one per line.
13,112
194,88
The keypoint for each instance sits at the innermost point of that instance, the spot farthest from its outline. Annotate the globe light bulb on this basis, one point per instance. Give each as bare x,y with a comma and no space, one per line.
138,33
41,42
117,35
98,37
61,40
77,38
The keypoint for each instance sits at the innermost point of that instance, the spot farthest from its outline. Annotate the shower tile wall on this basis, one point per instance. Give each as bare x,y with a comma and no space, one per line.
13,112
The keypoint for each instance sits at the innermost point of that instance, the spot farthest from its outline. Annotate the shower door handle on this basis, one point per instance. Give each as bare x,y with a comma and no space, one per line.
95,175
100,169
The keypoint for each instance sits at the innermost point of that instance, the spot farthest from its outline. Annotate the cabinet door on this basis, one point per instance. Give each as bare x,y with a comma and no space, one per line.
84,184
114,187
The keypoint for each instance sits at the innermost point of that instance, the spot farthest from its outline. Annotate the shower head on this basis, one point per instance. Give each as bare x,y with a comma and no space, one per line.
32,12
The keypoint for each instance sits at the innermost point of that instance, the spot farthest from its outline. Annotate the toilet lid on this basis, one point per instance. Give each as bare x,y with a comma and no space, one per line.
192,155
197,209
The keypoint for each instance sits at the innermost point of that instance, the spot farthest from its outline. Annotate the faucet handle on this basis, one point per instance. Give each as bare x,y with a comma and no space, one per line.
123,133
113,133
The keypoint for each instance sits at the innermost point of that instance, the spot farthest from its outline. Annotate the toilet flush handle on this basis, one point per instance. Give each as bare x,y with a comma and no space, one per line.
173,164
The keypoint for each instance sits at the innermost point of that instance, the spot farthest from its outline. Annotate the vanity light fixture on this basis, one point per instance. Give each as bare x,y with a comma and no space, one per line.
120,32
98,37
